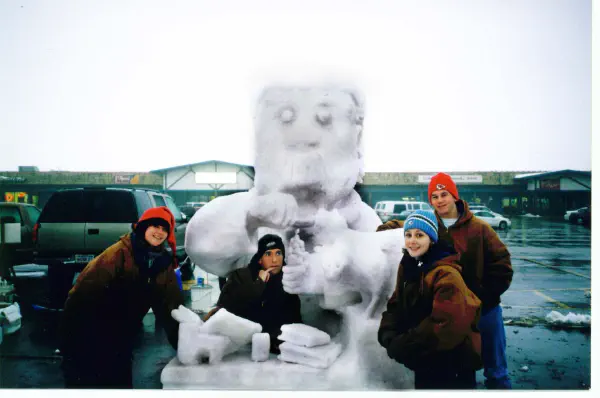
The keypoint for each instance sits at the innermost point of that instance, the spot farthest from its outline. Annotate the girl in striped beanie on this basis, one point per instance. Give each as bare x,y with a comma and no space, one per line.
430,324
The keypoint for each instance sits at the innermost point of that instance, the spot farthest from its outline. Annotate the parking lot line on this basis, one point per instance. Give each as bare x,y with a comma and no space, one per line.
536,307
556,289
553,267
551,299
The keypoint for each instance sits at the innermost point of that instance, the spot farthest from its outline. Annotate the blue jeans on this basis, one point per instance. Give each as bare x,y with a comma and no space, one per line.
493,349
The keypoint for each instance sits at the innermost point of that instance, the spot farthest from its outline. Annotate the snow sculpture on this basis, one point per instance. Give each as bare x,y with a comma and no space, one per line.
308,159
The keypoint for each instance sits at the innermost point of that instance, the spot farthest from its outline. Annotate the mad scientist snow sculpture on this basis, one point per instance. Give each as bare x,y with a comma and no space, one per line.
308,158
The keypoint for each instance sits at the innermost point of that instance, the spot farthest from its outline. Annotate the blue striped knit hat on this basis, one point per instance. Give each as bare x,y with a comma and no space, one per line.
425,221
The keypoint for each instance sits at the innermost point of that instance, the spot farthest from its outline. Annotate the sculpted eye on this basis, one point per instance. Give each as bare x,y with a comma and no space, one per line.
286,115
323,117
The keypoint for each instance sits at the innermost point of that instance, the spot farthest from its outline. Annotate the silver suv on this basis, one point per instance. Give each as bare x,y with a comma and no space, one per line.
78,224
398,209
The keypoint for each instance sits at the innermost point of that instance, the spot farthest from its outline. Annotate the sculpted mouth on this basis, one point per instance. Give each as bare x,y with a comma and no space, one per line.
304,146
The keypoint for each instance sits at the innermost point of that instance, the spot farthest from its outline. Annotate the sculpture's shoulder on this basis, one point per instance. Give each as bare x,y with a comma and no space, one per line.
359,215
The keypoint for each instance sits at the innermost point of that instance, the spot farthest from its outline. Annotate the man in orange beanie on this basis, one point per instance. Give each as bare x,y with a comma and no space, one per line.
487,270
105,307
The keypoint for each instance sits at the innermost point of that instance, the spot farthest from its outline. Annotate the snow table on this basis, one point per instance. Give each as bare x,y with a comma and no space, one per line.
237,371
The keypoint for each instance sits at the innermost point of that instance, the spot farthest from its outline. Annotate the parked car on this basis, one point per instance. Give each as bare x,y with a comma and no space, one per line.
479,208
189,211
567,215
494,219
398,209
581,216
26,215
195,205
78,224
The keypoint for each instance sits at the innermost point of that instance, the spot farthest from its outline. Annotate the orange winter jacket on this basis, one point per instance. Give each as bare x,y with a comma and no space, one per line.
485,260
431,319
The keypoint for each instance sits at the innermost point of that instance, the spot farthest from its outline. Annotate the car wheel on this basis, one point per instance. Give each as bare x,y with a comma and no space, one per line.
503,225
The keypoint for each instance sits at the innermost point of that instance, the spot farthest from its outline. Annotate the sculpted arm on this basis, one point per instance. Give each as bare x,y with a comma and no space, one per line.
217,238
222,236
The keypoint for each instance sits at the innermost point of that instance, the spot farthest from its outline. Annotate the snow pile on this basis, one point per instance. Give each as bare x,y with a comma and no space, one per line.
308,346
557,318
531,215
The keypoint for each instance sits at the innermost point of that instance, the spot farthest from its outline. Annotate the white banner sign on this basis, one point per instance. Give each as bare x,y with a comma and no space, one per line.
459,179
216,178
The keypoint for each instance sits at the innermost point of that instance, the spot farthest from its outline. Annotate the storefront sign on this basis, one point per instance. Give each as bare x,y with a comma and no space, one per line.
550,184
122,178
12,179
459,179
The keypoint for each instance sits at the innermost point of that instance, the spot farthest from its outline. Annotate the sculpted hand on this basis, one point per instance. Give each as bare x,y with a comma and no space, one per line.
274,210
296,267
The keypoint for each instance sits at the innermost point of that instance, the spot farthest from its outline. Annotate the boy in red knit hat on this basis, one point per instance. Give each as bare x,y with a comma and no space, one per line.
105,307
487,270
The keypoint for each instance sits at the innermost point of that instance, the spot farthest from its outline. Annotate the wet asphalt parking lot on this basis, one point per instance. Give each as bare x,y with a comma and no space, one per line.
552,264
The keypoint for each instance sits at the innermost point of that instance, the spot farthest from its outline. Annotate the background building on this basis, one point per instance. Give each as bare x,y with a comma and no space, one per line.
508,192
204,181
35,187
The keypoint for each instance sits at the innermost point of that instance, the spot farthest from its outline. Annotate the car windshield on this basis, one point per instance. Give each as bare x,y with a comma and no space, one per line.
174,209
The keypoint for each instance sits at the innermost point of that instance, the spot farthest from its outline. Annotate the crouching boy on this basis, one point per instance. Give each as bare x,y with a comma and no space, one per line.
256,291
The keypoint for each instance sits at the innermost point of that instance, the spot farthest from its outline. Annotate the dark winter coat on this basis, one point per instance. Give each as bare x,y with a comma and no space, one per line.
485,260
247,296
431,319
105,307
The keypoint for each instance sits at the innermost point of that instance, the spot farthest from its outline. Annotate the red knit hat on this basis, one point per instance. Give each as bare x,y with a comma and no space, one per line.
165,214
442,181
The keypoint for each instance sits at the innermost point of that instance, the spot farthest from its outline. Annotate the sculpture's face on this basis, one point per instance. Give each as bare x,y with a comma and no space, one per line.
308,138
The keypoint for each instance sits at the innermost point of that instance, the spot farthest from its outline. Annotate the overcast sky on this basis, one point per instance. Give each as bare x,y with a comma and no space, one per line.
125,85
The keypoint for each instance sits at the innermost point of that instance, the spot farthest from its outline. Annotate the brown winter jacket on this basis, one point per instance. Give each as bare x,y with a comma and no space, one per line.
431,319
105,307
485,260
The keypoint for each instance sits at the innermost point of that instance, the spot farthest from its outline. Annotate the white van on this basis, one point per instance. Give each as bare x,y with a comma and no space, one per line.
398,209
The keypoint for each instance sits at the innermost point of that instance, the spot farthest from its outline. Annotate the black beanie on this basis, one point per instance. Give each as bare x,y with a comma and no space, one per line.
268,242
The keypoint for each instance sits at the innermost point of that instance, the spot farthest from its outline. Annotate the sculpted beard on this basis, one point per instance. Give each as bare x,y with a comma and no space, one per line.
327,169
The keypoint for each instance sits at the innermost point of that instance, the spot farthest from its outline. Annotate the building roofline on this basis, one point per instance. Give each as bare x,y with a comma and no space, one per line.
160,171
552,173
